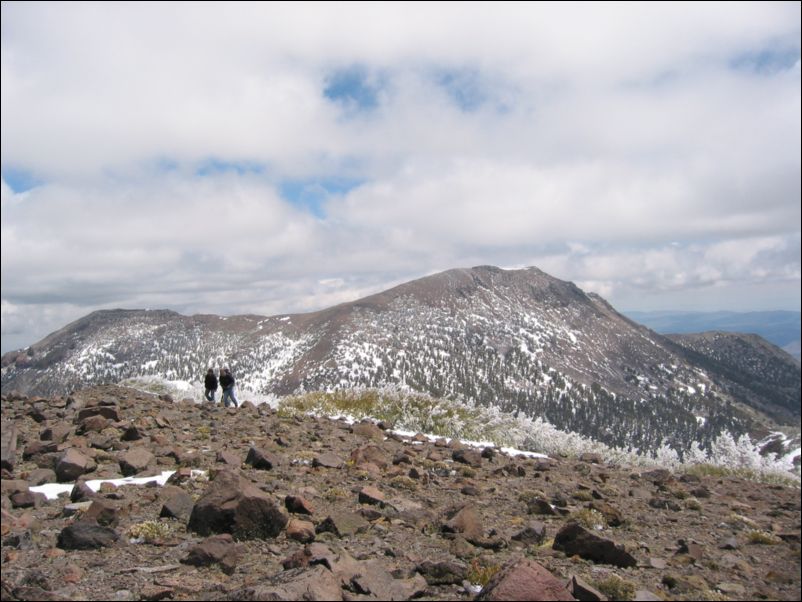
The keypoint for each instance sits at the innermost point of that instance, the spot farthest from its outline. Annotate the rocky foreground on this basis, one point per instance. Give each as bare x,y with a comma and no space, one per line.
307,508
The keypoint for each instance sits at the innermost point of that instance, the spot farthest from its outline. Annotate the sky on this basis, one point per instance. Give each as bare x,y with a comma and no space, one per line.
270,158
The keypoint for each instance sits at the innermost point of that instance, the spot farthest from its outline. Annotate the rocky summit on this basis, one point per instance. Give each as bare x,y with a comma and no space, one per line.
521,340
266,506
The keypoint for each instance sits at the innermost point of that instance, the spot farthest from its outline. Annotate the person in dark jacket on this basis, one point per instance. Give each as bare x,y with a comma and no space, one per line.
227,383
210,383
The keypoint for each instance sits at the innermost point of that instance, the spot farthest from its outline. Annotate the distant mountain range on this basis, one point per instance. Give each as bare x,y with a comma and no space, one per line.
519,339
779,327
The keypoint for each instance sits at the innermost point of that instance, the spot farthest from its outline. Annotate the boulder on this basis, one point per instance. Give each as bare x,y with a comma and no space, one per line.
465,521
443,573
176,503
72,464
105,512
217,549
300,530
262,459
86,535
135,461
343,524
371,495
524,579
232,504
581,590
229,458
298,505
315,583
468,456
533,533
109,412
574,539
369,454
368,430
327,460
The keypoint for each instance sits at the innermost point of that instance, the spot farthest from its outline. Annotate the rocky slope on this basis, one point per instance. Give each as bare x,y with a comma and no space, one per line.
319,509
519,339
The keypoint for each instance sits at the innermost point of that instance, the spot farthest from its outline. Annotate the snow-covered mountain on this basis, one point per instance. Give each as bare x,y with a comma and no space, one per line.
518,339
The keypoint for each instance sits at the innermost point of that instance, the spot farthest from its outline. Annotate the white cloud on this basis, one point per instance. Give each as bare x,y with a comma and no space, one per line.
161,134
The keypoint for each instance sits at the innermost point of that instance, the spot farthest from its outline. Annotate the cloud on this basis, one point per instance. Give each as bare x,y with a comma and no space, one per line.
270,158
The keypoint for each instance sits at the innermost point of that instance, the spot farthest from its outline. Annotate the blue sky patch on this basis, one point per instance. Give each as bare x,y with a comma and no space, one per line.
20,180
464,86
312,194
767,61
216,166
354,87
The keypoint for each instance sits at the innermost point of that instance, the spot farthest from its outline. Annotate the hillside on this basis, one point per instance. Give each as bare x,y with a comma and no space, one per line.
782,328
756,368
517,339
313,508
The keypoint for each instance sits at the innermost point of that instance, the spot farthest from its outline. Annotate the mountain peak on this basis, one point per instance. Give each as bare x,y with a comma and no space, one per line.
521,340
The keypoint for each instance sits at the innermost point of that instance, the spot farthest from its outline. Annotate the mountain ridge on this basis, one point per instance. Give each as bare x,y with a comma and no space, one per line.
780,327
519,339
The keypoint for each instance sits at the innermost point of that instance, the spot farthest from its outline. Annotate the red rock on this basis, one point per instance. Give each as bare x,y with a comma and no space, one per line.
525,579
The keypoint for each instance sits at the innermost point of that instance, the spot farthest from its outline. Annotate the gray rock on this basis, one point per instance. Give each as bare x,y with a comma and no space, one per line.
533,533
327,460
540,506
442,573
343,524
315,583
85,535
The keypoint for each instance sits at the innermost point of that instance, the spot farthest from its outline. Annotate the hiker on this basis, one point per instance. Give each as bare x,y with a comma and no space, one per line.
210,382
227,383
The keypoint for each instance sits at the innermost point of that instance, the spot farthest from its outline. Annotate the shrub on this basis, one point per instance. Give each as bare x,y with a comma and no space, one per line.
149,531
481,572
589,518
763,537
616,588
